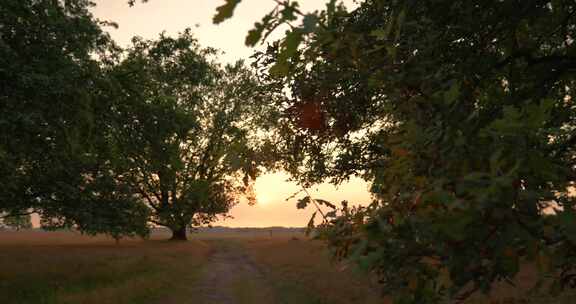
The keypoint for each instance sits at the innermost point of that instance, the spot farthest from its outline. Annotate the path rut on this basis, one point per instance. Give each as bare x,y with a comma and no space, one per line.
231,277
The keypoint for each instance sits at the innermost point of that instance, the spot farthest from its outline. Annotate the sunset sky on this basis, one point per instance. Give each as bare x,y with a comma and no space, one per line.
173,16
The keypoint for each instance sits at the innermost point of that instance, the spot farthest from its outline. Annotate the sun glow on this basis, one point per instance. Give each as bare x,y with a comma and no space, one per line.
263,199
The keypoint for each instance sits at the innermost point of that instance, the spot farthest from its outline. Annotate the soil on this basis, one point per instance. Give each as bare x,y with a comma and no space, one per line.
231,276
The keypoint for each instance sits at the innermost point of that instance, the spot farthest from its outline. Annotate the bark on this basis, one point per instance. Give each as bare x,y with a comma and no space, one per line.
179,234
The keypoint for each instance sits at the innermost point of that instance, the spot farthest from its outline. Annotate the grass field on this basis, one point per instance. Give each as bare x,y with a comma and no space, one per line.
65,267
211,268
37,267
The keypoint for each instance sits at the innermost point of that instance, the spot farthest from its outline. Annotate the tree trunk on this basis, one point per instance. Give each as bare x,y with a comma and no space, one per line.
179,234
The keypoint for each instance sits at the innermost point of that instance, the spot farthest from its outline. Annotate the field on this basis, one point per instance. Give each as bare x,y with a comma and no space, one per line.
212,268
65,267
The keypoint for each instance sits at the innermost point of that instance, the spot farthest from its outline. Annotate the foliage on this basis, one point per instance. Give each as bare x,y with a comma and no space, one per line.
461,115
104,140
53,114
184,130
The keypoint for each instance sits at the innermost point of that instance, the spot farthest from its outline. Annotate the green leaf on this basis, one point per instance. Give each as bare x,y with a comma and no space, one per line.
289,11
388,28
225,11
291,43
330,9
379,34
567,220
254,34
325,203
452,94
391,51
303,202
400,23
310,23
279,69
331,213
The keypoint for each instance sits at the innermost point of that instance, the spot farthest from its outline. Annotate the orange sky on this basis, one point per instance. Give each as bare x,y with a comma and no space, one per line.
173,16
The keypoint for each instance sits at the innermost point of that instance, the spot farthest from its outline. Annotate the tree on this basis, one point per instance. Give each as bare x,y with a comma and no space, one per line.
186,131
461,115
54,156
66,107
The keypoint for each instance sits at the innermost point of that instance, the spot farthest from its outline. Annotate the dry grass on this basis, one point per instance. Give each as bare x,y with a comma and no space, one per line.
63,267
38,267
287,268
302,267
302,272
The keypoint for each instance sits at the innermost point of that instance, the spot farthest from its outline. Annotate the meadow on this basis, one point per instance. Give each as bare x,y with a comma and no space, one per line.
253,266
66,267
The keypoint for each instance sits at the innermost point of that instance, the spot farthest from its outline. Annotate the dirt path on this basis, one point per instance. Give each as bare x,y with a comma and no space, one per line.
232,277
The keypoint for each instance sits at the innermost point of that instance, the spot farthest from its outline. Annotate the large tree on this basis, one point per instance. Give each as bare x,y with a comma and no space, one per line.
54,156
460,113
186,129
105,141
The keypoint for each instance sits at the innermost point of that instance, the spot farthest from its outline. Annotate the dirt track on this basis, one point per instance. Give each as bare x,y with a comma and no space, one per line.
232,277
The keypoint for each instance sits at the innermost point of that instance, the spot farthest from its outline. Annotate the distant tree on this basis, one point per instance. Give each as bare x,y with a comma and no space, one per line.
460,113
17,221
186,130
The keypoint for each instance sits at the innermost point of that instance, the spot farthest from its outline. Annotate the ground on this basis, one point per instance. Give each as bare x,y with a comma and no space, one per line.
254,267
65,267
